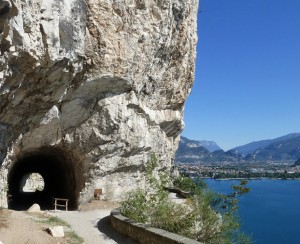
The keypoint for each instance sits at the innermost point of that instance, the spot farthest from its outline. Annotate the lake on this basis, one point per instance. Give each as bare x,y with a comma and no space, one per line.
270,213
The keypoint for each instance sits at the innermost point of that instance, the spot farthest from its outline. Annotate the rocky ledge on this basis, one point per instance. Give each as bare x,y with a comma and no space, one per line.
88,89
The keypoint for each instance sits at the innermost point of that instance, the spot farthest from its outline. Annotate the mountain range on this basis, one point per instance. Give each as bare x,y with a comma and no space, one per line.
279,149
209,145
253,146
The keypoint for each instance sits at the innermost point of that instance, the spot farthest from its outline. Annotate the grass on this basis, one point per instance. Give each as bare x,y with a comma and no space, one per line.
47,221
54,221
75,238
69,234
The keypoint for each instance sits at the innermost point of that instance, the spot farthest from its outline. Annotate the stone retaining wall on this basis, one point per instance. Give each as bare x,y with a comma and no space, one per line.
144,234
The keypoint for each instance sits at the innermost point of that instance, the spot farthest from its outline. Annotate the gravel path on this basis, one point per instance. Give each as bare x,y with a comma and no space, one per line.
93,226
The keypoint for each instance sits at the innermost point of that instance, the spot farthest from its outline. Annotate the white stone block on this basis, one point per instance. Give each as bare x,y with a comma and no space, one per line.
56,231
35,208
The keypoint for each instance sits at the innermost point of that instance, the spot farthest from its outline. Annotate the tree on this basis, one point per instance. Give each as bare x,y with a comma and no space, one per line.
208,217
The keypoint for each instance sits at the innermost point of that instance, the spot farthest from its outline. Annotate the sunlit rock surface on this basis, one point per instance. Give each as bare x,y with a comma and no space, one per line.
102,82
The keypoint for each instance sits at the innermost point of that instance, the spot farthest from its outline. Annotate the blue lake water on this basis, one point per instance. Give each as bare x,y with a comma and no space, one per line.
270,213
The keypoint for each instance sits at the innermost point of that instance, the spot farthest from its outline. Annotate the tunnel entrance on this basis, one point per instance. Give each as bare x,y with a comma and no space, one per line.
61,175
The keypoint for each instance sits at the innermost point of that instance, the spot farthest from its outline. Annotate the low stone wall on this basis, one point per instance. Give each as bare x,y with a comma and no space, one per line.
144,234
182,194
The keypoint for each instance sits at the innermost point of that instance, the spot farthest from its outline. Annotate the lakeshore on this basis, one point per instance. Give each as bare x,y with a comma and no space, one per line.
256,178
229,170
268,205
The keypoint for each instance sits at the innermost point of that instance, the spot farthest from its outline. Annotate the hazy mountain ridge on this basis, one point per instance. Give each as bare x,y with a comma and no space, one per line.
279,149
209,145
288,149
297,163
251,147
191,151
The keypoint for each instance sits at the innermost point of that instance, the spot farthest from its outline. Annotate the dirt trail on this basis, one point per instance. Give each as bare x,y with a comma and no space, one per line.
91,223
93,226
21,228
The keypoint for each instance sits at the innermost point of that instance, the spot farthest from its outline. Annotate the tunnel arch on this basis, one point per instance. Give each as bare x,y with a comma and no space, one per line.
61,171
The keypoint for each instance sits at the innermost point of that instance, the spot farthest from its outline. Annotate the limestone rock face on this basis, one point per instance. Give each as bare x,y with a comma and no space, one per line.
96,85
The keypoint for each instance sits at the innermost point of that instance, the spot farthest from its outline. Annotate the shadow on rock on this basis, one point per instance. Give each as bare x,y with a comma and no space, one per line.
105,227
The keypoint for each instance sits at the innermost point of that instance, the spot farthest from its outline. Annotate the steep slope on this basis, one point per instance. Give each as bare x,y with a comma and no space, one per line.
88,89
253,146
190,151
286,149
297,163
209,145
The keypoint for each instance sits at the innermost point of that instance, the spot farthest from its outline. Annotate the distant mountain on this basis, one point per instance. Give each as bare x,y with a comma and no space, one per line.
221,156
209,145
250,148
297,163
278,149
191,151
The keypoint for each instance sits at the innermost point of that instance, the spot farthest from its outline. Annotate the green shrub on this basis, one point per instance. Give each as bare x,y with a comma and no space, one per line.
185,184
207,217
135,206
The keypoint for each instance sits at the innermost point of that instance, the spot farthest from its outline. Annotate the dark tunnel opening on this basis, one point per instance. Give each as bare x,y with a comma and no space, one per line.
61,177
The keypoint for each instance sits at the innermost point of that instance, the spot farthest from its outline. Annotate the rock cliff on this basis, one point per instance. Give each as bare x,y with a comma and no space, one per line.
88,89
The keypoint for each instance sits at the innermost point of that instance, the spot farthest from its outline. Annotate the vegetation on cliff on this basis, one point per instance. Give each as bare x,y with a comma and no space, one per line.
205,216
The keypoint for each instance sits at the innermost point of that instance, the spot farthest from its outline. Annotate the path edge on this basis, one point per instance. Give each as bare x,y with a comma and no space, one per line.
143,233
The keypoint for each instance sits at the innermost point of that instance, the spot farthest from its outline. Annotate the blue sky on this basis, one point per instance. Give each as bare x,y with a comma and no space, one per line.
247,83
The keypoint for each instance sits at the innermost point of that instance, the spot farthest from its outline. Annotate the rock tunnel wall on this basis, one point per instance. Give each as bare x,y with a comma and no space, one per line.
101,84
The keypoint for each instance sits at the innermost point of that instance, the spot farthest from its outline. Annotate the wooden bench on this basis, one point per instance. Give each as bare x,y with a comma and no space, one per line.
58,203
97,193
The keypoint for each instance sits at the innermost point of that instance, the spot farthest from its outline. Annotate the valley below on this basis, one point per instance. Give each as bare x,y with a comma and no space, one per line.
277,158
228,170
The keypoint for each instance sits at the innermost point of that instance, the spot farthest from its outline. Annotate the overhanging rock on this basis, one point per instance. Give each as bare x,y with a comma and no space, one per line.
88,89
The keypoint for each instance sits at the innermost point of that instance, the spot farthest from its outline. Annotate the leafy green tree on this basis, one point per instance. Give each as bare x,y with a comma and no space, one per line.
207,216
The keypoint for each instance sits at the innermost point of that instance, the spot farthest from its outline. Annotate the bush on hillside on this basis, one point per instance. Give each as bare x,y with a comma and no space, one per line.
207,216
